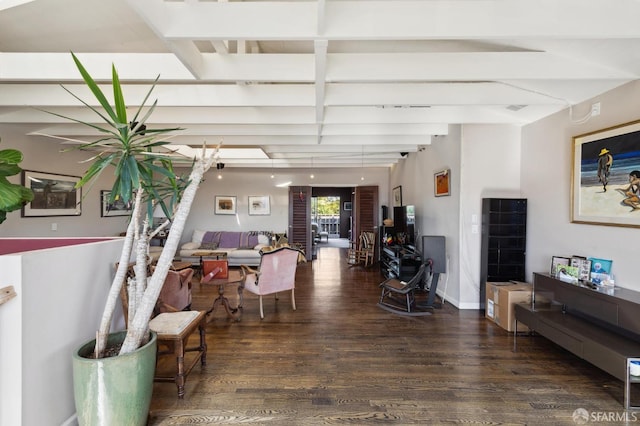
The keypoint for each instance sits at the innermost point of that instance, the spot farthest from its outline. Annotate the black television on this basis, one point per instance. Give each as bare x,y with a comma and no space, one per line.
404,220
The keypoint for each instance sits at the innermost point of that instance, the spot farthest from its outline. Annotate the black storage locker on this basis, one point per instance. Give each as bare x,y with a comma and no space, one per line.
504,241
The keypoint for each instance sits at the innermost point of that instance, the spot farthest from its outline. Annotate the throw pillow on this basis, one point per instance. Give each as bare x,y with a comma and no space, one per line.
190,246
209,246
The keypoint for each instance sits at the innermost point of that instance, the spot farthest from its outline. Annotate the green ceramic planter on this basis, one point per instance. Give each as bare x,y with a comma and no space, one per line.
116,390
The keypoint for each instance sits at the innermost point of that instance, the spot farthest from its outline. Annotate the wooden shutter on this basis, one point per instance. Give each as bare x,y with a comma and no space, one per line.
300,218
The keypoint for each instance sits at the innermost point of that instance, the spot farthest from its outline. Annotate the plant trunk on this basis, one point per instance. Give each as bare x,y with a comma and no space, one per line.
138,326
116,286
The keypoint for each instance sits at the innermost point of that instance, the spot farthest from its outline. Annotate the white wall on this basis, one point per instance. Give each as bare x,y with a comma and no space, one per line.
546,182
490,168
243,183
436,215
43,154
60,298
484,162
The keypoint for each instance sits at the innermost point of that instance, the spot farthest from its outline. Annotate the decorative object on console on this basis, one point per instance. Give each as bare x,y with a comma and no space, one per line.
53,194
397,196
558,261
441,183
584,267
600,270
225,204
259,205
117,208
603,191
566,273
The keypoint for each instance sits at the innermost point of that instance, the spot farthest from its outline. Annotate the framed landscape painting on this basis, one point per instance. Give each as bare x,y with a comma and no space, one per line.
605,181
53,194
225,204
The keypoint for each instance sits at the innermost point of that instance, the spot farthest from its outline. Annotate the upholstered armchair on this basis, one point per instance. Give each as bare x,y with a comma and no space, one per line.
176,292
277,272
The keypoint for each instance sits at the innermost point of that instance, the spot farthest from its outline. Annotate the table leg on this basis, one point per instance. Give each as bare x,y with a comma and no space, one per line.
234,313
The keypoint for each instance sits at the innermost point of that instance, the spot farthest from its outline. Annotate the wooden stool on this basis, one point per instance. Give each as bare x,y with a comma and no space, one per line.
173,330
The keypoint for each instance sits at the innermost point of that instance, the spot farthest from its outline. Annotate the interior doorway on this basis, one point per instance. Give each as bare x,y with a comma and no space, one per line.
331,209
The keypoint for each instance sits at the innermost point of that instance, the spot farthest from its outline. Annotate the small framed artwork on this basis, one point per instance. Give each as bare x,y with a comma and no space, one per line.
600,269
441,183
584,267
347,206
568,274
397,196
557,261
225,204
53,194
117,208
259,205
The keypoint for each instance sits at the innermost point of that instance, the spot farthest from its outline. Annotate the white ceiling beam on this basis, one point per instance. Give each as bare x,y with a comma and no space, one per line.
456,66
168,95
309,68
400,19
320,47
271,130
381,95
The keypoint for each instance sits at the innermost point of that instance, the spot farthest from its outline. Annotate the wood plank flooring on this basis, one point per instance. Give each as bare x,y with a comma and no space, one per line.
340,359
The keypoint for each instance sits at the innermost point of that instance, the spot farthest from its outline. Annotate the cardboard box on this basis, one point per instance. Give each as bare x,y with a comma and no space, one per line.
501,298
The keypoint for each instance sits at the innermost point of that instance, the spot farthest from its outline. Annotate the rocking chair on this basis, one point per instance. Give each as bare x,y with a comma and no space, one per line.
399,296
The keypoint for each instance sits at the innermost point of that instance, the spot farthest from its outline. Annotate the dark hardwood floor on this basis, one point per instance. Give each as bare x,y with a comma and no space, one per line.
340,359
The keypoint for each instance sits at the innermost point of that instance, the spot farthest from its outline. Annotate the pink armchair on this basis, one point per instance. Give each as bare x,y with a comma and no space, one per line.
176,292
277,272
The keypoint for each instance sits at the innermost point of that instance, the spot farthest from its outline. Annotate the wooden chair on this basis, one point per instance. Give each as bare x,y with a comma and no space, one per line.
364,251
174,325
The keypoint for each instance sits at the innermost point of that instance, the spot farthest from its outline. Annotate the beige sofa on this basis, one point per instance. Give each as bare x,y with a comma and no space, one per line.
241,247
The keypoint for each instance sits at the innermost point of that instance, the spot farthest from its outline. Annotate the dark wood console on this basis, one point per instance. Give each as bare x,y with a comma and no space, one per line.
600,325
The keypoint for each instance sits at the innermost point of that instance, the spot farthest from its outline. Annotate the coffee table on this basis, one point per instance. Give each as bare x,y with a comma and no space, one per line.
235,277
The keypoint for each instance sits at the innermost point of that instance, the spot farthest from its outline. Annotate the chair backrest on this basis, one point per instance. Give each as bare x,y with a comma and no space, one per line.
176,291
416,280
278,270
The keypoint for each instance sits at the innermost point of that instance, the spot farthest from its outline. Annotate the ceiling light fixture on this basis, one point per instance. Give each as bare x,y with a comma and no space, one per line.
272,173
311,175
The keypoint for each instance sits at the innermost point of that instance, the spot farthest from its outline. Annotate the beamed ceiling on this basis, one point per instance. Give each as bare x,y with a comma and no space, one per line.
332,83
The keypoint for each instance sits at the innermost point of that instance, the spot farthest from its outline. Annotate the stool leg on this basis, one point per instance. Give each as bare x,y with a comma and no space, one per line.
203,342
180,364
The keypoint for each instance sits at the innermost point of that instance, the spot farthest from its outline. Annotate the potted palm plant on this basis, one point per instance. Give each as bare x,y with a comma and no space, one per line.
12,196
145,178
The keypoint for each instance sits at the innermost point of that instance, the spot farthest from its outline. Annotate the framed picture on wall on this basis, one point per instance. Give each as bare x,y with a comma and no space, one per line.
53,194
605,179
259,205
347,206
397,196
225,204
441,183
117,208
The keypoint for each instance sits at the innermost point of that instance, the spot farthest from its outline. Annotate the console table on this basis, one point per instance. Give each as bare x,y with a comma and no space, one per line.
600,325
